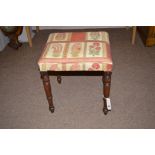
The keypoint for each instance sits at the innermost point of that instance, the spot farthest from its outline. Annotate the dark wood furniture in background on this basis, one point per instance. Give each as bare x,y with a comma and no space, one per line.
147,34
13,32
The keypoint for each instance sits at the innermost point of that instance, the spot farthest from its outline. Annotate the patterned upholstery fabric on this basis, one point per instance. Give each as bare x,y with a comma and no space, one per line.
76,51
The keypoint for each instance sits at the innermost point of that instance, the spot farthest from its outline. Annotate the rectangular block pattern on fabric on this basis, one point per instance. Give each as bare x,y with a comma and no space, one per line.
76,51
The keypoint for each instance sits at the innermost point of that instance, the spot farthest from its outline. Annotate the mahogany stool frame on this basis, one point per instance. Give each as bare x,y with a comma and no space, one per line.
106,79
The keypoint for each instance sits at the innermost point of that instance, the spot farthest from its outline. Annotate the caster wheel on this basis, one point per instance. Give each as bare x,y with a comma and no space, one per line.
51,109
105,111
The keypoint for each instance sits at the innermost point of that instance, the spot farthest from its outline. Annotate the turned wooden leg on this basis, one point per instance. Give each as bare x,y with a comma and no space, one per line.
47,88
59,79
106,91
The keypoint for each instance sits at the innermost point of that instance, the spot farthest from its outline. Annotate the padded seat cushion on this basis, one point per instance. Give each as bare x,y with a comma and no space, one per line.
76,51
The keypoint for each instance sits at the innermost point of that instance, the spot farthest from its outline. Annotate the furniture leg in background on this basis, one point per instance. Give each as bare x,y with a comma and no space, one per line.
59,79
147,35
29,35
28,32
134,29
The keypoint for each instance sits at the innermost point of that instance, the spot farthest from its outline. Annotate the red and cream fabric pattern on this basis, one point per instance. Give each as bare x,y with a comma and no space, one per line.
76,51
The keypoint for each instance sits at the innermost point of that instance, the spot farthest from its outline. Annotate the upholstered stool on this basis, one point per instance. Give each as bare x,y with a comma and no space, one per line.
77,52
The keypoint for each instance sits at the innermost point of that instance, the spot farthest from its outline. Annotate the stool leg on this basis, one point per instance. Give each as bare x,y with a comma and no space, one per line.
59,79
106,90
47,88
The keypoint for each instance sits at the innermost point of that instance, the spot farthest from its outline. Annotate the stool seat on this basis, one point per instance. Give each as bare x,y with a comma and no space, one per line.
76,51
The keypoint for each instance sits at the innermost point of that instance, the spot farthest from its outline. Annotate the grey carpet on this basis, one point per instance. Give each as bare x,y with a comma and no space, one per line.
78,100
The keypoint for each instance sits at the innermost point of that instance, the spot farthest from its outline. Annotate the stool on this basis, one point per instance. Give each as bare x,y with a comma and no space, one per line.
76,53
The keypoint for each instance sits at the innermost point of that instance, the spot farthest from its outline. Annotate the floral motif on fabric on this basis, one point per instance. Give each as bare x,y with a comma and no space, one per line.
94,49
94,66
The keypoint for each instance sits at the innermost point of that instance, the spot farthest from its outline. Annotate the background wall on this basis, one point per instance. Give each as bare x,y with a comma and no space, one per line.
76,27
